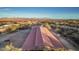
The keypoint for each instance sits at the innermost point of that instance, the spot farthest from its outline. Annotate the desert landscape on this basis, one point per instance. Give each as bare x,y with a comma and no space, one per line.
39,29
35,34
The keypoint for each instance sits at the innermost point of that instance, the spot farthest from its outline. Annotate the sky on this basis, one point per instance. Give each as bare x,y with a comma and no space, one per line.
40,12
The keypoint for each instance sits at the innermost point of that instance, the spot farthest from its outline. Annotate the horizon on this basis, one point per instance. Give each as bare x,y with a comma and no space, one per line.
40,12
